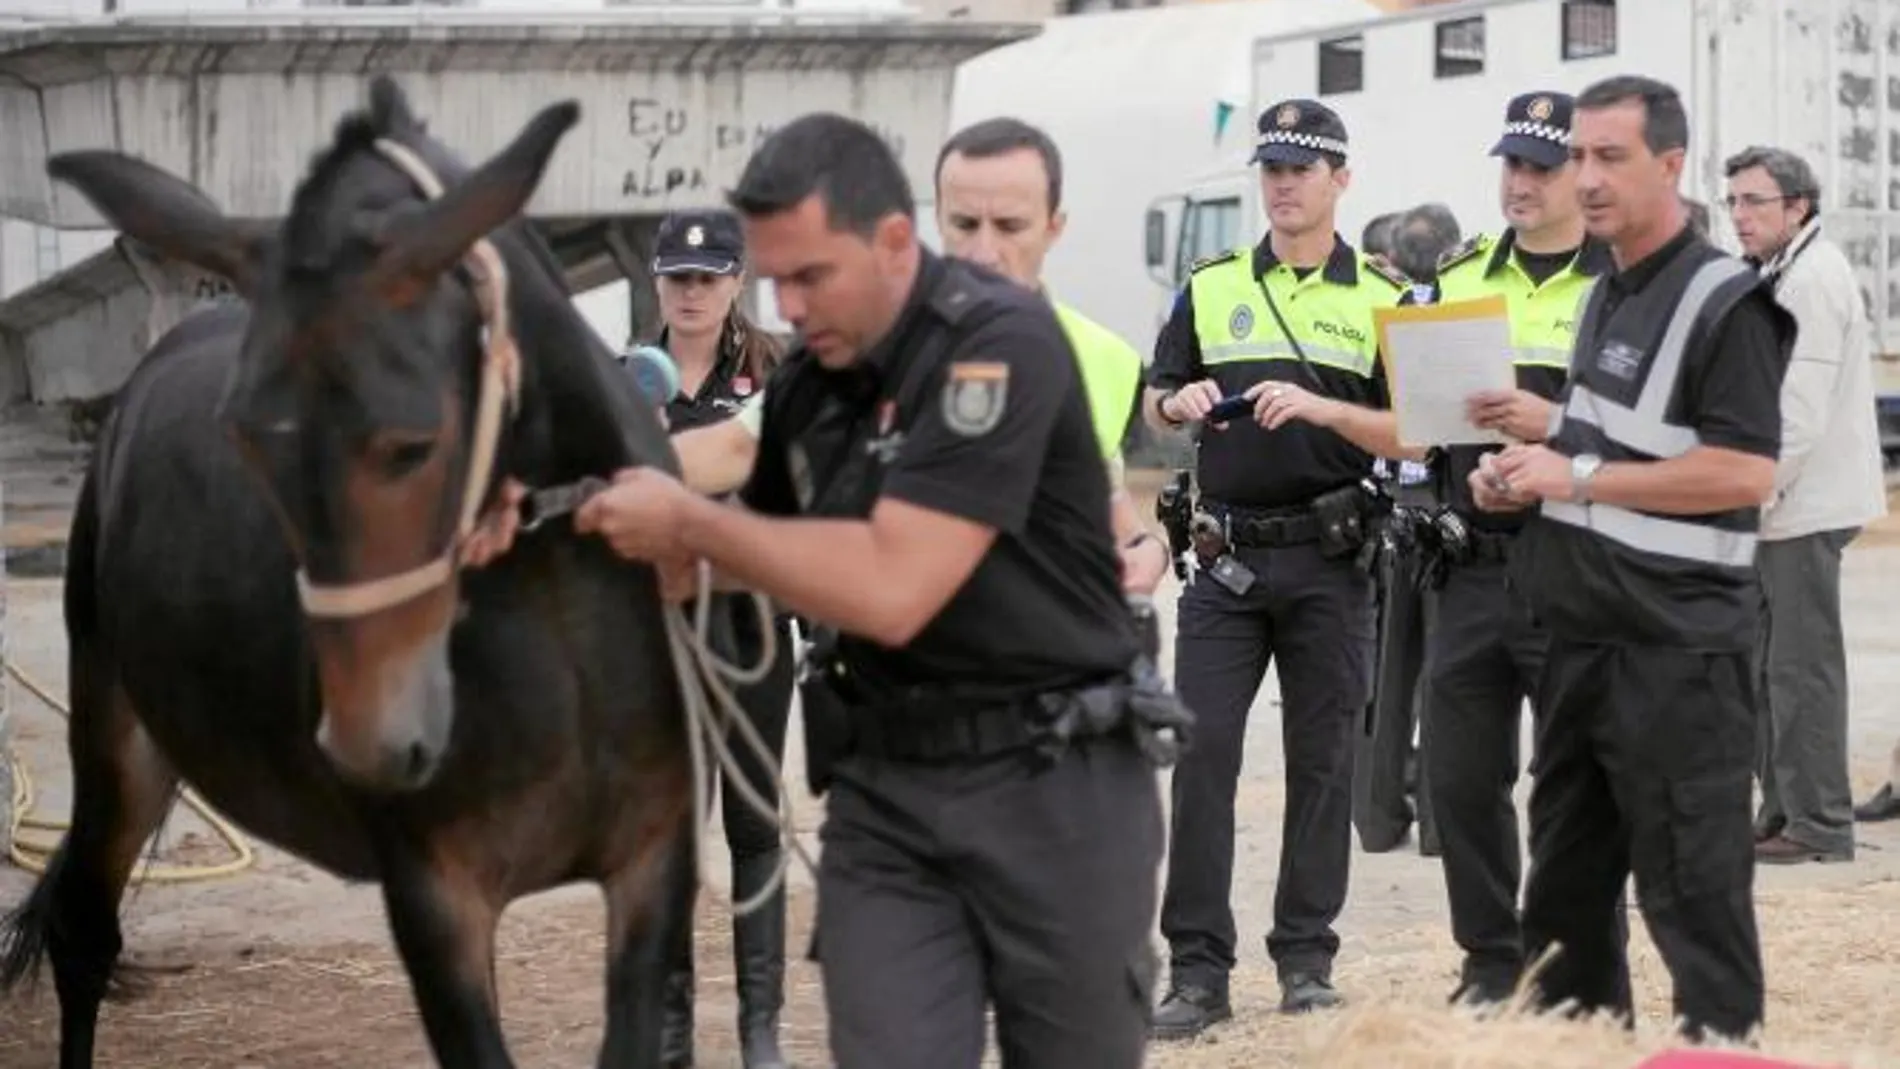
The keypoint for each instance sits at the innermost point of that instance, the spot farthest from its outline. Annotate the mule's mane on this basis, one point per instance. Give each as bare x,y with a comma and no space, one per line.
314,234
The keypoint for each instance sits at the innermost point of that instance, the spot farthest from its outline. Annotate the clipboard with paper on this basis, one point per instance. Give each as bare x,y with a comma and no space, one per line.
1438,355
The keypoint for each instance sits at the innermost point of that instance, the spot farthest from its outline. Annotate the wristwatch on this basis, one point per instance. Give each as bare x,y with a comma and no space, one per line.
1583,468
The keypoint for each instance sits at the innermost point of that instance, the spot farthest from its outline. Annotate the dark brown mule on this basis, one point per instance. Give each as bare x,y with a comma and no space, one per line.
262,600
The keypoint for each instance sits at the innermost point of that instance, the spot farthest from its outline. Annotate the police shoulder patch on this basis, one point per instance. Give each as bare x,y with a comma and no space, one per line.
1465,250
1386,271
1209,261
975,393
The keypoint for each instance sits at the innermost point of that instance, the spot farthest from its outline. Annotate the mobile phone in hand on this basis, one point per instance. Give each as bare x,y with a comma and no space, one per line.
1230,408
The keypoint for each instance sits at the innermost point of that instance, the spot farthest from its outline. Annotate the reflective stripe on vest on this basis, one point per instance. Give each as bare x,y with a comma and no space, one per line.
1543,317
1333,323
1645,429
1111,374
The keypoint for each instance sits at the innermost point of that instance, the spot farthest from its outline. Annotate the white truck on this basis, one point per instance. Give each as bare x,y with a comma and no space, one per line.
1137,101
1422,94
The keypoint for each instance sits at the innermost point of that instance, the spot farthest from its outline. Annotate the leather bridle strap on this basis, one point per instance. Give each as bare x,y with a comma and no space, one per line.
500,388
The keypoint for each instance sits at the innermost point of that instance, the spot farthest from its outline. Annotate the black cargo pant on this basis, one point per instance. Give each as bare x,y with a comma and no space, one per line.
1644,765
1486,657
943,888
1316,615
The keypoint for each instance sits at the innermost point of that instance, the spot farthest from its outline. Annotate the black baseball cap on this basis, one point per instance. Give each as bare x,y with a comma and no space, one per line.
1537,128
699,241
1297,131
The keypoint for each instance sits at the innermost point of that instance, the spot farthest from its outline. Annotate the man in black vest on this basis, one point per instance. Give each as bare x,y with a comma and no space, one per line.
1639,561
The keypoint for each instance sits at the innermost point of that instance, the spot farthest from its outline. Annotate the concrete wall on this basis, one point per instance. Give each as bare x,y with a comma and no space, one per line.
669,113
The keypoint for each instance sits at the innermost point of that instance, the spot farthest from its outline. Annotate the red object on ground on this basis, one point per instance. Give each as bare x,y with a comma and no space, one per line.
1684,1059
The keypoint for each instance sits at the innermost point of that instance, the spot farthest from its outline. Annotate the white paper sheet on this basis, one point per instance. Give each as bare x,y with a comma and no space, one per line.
1436,357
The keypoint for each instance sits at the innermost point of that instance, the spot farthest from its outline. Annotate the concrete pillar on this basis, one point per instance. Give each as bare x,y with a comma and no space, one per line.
6,723
13,380
630,243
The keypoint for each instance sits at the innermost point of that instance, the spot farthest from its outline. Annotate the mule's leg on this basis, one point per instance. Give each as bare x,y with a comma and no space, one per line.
443,922
122,787
649,907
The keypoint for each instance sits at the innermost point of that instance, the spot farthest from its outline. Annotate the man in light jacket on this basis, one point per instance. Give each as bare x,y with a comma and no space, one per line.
1828,484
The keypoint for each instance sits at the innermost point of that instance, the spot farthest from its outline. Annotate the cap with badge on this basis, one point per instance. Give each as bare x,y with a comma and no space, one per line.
1537,129
1297,131
694,242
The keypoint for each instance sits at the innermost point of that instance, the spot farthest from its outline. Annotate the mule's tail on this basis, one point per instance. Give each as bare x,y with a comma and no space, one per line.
27,931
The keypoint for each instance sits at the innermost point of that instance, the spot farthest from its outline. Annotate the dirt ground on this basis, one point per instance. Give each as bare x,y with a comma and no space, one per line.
283,967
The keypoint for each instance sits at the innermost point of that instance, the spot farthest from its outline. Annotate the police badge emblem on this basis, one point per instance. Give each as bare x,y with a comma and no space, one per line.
1240,323
1540,109
695,236
974,394
1288,117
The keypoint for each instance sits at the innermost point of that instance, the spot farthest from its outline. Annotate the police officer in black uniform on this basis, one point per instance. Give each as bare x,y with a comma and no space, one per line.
723,358
929,486
1283,517
1485,655
1639,560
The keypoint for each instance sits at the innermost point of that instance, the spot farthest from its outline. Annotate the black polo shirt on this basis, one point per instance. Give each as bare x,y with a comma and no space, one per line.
1044,607
719,397
1244,464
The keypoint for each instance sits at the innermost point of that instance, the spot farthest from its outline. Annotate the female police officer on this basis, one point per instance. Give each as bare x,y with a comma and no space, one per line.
723,359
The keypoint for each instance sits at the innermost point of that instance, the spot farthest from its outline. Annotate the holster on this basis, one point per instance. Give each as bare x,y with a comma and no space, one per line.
1342,516
826,713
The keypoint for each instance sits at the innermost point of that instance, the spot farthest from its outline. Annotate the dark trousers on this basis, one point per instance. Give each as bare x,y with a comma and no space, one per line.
946,887
1644,764
768,706
1316,616
1486,657
1802,740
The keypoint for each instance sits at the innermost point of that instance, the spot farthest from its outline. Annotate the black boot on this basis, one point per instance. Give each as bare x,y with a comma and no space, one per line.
758,956
676,1014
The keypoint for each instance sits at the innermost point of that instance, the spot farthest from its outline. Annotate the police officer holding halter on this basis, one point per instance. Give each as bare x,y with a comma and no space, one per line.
929,489
1279,525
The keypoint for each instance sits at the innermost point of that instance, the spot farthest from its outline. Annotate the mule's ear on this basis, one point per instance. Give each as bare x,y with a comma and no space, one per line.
164,212
429,240
389,106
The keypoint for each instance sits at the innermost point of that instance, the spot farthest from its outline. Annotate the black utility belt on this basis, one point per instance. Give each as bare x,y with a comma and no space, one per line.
1335,519
1254,527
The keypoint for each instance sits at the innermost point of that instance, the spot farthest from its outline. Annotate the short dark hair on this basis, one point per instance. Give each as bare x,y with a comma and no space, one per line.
841,161
1665,123
1791,173
1376,238
995,137
1423,236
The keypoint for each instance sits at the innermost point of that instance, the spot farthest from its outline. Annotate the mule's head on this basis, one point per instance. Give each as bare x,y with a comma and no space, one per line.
357,398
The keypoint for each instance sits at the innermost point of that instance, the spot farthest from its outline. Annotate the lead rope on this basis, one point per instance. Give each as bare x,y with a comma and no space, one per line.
702,673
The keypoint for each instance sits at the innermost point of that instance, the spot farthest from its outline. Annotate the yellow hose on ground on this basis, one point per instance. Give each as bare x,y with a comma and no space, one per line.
33,854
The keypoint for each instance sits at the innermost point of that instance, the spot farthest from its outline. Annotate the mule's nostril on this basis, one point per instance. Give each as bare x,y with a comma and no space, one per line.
417,763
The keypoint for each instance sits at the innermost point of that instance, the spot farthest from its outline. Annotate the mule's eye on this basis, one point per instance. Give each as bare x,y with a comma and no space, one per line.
400,454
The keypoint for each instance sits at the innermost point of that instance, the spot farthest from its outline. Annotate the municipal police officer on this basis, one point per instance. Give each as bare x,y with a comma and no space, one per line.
723,359
1484,654
1639,560
929,484
1282,518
